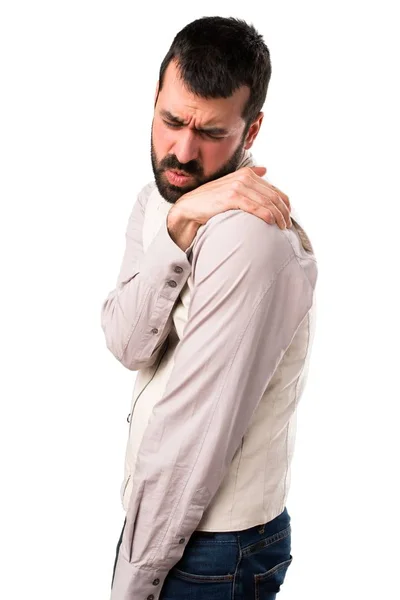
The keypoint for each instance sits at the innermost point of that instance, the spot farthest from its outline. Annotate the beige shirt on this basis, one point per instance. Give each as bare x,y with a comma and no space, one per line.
251,291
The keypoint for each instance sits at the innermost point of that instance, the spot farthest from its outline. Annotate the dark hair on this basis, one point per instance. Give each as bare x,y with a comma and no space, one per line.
218,55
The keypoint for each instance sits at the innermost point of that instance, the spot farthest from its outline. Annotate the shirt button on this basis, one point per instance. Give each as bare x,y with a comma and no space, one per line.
178,269
156,582
182,540
172,283
155,330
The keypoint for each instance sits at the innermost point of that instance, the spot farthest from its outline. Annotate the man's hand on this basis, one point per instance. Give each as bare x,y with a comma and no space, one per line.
244,189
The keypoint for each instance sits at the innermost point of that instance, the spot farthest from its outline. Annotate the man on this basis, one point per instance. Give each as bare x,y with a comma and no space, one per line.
213,307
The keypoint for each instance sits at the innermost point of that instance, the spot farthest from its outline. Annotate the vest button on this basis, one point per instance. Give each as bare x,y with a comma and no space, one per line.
172,283
178,269
154,330
156,582
182,540
151,597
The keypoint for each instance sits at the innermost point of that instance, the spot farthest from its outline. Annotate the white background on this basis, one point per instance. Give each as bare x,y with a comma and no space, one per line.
77,86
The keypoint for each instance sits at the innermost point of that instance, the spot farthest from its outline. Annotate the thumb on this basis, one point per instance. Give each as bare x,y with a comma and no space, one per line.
260,171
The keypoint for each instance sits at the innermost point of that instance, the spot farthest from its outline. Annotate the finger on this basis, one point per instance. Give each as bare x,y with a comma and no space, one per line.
281,194
260,171
278,216
223,181
284,197
270,200
243,202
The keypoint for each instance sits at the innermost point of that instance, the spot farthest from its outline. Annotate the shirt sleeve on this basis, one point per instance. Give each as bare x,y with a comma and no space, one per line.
136,315
249,296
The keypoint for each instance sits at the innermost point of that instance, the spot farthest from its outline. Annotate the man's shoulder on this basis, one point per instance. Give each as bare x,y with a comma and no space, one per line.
245,239
248,245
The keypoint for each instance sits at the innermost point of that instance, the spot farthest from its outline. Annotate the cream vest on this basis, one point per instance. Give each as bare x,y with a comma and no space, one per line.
256,486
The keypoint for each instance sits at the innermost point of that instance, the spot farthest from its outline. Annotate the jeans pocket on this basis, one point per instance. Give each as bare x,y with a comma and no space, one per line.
211,558
270,581
180,585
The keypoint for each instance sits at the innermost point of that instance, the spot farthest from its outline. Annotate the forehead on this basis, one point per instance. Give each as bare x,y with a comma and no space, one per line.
179,101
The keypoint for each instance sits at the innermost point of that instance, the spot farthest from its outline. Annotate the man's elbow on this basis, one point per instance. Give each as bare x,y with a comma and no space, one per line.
123,352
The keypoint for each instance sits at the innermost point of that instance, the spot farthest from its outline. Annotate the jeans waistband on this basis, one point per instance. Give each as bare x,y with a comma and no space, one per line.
246,537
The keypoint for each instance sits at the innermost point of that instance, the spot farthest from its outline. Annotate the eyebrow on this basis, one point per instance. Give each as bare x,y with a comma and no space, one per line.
213,130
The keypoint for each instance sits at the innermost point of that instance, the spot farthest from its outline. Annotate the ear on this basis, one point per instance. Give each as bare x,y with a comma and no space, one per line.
156,94
253,131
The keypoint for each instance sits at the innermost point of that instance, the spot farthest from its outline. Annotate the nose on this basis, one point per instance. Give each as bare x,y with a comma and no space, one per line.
186,147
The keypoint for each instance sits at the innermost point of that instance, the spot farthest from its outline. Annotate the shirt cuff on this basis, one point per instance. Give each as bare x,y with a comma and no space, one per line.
133,583
166,261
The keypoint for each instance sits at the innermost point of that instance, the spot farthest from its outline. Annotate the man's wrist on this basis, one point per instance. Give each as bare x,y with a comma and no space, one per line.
181,229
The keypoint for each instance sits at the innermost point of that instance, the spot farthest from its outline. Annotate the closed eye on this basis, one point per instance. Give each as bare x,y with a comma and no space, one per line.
173,125
204,133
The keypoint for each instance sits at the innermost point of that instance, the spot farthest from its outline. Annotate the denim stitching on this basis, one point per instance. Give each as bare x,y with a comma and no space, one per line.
263,576
237,568
202,578
256,546
259,578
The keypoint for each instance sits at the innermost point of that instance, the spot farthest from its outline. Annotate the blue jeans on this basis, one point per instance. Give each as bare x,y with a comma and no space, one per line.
250,564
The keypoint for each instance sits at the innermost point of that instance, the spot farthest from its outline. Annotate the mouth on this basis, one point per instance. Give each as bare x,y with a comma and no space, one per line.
177,177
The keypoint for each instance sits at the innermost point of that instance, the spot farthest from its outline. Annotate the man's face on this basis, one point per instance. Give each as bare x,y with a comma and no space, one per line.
202,138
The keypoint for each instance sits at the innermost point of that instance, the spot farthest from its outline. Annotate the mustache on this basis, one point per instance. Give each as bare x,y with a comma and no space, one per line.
191,168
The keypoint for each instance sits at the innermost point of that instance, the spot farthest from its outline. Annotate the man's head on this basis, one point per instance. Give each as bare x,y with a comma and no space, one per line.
212,85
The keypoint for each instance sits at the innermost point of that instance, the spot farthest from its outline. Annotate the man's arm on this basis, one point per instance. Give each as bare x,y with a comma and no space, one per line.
136,315
249,297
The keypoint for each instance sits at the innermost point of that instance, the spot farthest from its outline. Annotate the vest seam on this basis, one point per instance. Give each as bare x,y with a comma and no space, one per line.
266,454
296,396
236,478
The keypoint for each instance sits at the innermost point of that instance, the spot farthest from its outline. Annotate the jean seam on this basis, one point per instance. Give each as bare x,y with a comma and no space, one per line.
237,568
203,578
276,537
263,576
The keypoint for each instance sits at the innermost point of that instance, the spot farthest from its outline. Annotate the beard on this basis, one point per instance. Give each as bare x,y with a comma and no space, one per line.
171,193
